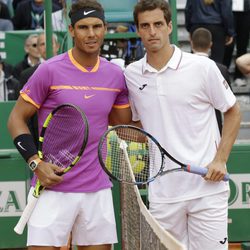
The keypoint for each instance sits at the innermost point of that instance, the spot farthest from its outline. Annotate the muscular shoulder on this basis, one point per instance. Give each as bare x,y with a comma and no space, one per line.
56,59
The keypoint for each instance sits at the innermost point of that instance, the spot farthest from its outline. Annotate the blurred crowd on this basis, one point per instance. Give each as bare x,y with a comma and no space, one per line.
229,24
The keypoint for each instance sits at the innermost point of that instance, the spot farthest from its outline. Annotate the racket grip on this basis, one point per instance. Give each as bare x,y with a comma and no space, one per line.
202,171
26,215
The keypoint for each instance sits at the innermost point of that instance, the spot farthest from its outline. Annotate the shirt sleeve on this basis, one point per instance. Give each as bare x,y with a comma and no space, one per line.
36,89
219,92
135,115
122,98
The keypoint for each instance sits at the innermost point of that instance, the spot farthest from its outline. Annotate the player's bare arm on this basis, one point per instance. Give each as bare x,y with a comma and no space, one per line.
21,113
17,125
230,130
120,116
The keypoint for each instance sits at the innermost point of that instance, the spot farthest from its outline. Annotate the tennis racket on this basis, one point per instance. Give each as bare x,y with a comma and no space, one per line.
62,140
123,148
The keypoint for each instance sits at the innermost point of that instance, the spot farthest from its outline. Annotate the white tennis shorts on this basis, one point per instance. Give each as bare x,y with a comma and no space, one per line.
199,223
89,216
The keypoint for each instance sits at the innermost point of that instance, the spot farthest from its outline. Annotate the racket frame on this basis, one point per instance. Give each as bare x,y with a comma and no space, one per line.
102,162
183,167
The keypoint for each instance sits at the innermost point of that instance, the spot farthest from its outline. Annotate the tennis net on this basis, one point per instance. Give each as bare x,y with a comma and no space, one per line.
140,231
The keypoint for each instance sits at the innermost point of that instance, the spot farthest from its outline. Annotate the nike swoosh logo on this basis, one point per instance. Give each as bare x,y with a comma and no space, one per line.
88,96
20,146
85,13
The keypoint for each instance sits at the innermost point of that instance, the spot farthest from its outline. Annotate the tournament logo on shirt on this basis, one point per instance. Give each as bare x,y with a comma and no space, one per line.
225,84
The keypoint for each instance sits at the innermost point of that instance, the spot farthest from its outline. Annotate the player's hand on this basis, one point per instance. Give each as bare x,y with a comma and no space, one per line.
48,174
216,171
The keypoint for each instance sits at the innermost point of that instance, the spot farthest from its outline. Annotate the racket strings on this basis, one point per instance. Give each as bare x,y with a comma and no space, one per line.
129,151
63,137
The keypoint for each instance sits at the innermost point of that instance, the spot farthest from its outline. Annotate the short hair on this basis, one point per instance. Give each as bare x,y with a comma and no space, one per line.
82,4
147,5
28,39
54,37
201,38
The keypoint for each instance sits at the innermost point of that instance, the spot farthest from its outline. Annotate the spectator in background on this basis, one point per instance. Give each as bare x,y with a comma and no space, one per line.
243,64
201,43
9,86
59,18
5,20
217,17
9,4
58,4
29,15
15,3
4,11
41,47
5,25
31,58
242,28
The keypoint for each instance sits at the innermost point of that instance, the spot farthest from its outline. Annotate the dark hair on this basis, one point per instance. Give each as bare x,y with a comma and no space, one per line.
201,38
145,5
83,4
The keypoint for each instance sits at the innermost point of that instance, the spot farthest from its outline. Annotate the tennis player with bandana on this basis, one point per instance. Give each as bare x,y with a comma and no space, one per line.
80,201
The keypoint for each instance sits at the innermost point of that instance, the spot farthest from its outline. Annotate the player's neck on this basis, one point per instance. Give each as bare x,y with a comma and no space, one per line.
84,59
160,58
202,52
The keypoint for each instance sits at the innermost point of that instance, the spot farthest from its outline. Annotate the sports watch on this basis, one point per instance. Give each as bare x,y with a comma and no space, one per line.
34,164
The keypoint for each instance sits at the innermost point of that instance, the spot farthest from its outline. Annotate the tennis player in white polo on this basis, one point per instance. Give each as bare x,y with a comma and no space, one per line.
173,94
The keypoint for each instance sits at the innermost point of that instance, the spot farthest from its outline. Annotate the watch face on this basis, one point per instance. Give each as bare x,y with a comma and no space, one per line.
32,165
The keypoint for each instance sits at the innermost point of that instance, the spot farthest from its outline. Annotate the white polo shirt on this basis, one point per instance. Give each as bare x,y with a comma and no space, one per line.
176,105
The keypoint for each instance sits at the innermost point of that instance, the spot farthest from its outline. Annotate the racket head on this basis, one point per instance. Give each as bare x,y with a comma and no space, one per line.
130,154
64,136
